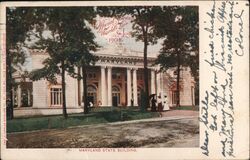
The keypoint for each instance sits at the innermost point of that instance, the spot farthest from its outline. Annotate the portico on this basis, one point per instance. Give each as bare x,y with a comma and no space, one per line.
128,81
118,79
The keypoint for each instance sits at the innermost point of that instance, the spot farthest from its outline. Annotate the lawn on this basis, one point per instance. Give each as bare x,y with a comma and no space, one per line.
96,116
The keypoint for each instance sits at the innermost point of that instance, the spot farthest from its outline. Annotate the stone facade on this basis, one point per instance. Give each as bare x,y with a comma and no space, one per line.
115,80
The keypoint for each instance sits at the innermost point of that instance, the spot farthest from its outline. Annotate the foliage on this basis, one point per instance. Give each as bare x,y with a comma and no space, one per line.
182,36
68,46
181,40
18,26
82,44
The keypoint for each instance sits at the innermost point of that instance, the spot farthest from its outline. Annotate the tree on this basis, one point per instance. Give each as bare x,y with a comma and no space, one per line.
69,46
56,64
56,45
180,46
82,43
18,25
143,25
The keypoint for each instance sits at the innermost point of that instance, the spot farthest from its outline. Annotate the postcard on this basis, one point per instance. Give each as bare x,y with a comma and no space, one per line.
124,80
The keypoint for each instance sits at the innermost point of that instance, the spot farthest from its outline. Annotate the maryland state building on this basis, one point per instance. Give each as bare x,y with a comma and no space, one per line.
115,80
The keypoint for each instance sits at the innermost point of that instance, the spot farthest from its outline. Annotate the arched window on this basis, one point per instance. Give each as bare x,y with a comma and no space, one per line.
91,89
115,89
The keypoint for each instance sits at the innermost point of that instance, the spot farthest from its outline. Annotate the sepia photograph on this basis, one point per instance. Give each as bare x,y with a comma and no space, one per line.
102,77
123,80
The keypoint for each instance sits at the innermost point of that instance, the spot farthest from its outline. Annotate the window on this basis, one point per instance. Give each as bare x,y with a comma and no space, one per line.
15,98
174,97
25,97
139,76
55,96
91,75
115,96
116,76
22,95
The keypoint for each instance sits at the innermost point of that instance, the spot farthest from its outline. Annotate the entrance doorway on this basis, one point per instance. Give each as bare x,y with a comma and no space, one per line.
115,96
115,101
92,95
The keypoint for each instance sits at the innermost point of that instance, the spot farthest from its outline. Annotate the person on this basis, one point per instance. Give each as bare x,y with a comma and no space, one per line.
90,104
153,104
132,102
165,103
160,107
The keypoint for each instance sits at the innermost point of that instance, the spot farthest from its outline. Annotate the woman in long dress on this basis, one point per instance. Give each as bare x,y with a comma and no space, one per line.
165,103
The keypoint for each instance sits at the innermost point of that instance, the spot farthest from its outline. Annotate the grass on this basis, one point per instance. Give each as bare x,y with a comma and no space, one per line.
96,116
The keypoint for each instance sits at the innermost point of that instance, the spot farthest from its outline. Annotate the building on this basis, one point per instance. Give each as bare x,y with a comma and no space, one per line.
115,80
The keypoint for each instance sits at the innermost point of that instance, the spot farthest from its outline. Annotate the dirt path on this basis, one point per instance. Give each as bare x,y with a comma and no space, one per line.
182,113
164,133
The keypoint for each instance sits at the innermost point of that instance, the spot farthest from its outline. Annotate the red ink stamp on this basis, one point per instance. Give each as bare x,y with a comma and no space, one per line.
114,29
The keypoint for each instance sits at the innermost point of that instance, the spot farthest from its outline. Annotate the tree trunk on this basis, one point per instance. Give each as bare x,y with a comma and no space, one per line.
9,88
78,88
178,72
178,80
85,96
63,92
145,63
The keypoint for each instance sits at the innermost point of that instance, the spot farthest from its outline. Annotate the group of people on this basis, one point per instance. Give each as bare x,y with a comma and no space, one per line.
90,104
159,104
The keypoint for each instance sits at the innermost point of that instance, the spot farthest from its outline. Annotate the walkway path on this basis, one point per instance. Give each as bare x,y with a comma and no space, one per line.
182,113
167,115
167,131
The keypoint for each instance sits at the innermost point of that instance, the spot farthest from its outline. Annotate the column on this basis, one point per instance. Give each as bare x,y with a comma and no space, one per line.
152,81
129,87
135,87
158,82
103,86
109,78
19,96
28,97
81,87
192,96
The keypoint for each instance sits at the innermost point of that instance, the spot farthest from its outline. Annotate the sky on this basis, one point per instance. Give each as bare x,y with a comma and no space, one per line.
109,32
